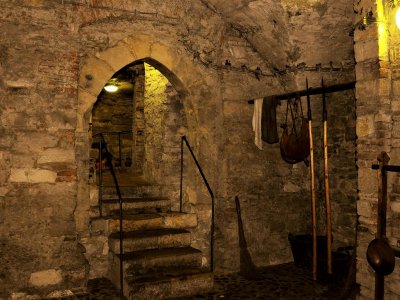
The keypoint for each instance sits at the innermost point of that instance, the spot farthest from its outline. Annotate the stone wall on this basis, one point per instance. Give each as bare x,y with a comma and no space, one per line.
39,71
55,59
139,126
275,196
165,125
376,48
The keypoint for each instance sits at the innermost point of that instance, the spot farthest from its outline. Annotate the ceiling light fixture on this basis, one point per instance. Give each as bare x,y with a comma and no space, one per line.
111,88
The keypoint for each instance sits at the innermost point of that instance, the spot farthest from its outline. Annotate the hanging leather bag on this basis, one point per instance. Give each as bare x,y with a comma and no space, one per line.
295,143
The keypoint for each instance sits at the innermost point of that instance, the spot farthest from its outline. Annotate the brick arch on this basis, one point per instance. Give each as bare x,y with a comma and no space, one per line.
100,67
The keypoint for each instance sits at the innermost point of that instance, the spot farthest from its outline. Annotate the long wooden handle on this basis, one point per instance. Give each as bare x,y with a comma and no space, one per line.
326,180
313,205
328,202
383,159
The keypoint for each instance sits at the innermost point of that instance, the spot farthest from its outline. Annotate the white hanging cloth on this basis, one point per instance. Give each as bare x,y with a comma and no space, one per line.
257,113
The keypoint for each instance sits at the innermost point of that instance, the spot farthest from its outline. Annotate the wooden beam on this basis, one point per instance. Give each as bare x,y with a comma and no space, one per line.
314,91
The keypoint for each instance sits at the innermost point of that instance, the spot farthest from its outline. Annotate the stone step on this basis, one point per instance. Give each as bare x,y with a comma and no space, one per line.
150,239
176,282
135,191
136,204
149,221
141,262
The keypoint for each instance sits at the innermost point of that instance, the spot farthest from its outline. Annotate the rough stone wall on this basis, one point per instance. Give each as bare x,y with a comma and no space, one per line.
155,109
39,70
139,126
268,187
376,49
165,125
316,28
56,58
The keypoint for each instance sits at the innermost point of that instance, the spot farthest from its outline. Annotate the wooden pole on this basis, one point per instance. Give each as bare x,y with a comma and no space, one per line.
383,159
313,91
326,177
313,206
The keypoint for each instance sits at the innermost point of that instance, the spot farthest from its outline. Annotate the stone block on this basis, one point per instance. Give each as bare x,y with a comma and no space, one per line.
365,125
364,208
86,101
94,75
4,191
117,57
54,155
290,187
396,87
365,50
32,176
46,278
139,45
164,55
370,89
370,34
395,206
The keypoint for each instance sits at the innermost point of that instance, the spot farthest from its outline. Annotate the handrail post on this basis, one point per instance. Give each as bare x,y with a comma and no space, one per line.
211,195
181,184
108,158
101,177
212,236
119,149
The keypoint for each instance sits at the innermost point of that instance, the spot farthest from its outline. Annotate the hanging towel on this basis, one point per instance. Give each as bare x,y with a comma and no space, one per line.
257,113
268,121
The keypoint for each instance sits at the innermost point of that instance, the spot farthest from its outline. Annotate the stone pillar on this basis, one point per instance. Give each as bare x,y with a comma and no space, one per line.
374,126
139,132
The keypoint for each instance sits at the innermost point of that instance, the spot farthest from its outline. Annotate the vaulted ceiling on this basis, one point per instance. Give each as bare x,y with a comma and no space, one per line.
284,32
261,22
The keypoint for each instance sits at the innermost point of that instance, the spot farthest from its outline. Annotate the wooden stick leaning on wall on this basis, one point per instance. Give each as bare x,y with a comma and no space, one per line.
326,177
313,206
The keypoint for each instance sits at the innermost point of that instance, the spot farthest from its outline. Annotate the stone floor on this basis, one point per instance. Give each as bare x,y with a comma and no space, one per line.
282,282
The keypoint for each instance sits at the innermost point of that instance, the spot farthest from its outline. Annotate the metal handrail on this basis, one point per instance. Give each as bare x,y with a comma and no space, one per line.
108,158
209,190
119,133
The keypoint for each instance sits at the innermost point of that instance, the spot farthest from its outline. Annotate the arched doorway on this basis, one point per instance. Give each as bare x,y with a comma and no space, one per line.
140,115
96,72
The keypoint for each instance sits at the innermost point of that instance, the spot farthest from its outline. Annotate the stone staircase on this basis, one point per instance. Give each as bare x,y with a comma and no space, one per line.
158,259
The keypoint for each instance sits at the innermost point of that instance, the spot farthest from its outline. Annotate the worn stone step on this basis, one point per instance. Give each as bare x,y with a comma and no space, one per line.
137,204
139,263
150,239
149,221
131,187
174,282
135,191
154,260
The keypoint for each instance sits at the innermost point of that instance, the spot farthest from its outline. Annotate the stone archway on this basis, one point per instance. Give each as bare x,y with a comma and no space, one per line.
96,70
99,68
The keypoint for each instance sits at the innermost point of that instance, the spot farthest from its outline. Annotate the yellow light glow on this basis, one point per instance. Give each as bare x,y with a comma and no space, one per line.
398,18
111,88
383,35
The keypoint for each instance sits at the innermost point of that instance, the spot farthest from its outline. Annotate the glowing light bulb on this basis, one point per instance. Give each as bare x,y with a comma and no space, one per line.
398,18
111,88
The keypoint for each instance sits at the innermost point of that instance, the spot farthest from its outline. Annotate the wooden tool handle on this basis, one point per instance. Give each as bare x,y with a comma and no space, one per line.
313,206
326,180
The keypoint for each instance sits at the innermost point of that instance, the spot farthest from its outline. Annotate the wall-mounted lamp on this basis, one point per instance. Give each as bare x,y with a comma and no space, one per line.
398,18
111,88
